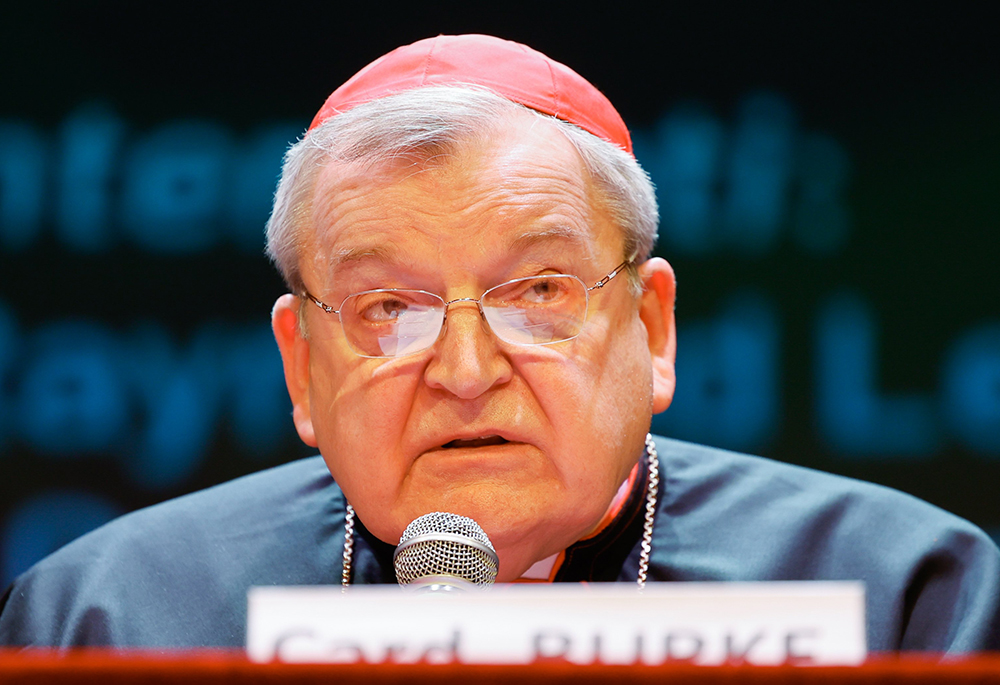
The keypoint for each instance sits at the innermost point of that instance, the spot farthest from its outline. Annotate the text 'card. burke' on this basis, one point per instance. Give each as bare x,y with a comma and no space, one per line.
820,623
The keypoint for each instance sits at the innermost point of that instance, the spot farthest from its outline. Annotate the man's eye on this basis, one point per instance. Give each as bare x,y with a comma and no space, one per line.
542,291
384,310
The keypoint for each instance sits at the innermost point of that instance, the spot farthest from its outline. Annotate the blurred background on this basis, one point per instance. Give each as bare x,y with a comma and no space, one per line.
828,177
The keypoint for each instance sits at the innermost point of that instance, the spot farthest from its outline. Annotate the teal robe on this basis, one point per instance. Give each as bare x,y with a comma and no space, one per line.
176,575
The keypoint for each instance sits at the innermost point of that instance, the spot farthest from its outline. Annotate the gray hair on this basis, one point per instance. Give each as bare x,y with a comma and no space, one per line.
417,126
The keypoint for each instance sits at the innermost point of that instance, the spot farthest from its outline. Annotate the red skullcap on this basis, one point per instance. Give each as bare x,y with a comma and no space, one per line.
512,70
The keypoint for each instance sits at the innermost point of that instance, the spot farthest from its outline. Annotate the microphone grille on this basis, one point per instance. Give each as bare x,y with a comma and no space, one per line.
444,544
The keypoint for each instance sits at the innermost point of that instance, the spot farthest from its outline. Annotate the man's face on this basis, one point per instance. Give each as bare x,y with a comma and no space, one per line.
530,441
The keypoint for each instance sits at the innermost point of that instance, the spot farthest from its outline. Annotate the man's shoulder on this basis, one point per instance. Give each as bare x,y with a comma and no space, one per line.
697,475
730,516
177,558
278,495
292,486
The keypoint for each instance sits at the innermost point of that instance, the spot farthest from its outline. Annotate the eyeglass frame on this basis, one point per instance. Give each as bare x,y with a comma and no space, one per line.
479,304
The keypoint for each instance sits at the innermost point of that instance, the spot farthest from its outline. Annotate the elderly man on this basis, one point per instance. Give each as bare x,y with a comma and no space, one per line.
475,326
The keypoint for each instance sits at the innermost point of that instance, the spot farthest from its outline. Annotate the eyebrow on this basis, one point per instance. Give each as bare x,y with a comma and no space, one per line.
552,234
348,255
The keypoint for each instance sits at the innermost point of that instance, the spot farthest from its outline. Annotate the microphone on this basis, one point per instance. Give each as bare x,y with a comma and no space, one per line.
442,552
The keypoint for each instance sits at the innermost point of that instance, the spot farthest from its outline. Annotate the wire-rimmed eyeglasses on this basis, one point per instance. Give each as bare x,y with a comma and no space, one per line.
396,322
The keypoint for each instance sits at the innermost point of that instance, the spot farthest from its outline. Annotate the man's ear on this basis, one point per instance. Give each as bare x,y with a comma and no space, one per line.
657,314
295,358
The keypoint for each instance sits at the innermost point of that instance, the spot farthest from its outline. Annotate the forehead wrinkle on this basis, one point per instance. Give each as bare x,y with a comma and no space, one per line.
551,198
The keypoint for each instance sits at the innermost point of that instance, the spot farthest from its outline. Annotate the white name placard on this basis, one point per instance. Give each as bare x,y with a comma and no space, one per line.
820,623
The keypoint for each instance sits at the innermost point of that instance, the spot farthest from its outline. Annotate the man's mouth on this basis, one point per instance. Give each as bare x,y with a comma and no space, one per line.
485,441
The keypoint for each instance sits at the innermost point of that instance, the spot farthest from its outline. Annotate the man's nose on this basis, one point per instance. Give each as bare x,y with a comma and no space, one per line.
467,358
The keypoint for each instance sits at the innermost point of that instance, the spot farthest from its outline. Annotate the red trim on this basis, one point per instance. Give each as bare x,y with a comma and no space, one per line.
107,667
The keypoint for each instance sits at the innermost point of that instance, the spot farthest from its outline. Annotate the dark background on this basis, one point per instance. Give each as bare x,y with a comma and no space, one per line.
909,95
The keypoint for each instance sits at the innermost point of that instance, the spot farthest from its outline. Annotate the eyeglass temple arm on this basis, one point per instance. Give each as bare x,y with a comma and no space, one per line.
325,307
604,281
